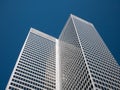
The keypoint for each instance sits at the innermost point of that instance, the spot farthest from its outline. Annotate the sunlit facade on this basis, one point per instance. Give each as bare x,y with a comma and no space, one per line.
86,62
36,66
77,60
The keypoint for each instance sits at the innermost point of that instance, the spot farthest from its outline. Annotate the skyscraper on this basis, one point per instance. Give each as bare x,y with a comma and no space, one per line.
35,68
78,60
86,62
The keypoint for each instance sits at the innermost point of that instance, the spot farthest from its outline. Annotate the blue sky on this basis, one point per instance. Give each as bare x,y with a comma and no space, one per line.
49,16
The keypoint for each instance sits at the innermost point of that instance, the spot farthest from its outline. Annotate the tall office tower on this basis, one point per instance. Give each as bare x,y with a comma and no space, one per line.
36,65
78,60
86,62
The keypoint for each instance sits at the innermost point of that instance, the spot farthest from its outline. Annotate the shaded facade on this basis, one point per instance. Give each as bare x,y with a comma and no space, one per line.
77,60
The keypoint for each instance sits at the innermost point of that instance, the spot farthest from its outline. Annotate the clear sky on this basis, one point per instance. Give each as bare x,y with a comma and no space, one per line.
50,16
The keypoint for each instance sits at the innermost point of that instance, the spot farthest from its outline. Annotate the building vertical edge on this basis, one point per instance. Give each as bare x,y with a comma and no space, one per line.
11,76
58,70
83,52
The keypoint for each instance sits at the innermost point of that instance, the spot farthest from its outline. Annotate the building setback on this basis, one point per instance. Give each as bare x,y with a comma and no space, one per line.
78,60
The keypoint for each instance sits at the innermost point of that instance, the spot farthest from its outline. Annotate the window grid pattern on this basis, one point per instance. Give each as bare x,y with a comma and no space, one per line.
75,74
103,67
86,62
36,66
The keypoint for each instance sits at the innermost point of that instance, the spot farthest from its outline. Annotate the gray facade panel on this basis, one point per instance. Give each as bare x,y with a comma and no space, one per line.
75,75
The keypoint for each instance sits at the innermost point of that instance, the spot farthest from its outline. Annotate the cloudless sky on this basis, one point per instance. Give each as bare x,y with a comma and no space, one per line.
50,16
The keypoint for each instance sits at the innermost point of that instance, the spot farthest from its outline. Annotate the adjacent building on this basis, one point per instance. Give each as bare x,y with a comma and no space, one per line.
35,68
78,60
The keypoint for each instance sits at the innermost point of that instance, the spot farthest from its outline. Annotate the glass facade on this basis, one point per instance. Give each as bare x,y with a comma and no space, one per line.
103,67
36,66
74,71
78,60
86,62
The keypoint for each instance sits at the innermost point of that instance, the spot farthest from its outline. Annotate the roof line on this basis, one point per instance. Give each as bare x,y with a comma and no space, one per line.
42,34
73,16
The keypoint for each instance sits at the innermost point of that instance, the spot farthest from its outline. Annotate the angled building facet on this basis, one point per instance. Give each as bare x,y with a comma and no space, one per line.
78,60
86,62
36,66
